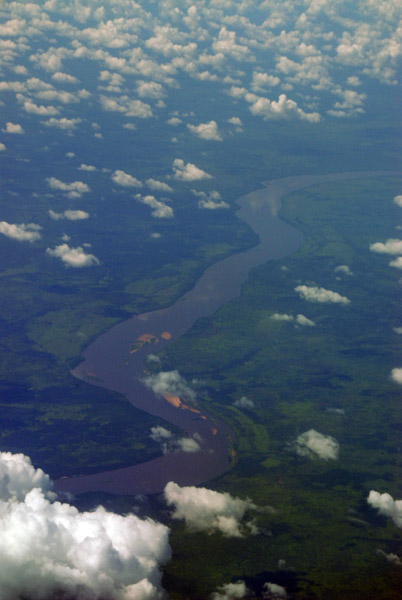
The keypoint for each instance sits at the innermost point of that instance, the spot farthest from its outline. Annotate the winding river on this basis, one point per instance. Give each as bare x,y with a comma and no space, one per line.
110,362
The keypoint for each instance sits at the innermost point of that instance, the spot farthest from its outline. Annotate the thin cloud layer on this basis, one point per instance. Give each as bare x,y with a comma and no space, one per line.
316,445
49,549
207,510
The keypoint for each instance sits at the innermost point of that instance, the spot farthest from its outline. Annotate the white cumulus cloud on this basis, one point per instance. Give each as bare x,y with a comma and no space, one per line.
231,591
319,294
13,128
387,506
73,257
314,444
398,200
160,210
71,215
206,131
49,548
170,383
391,246
125,179
396,375
23,233
187,171
74,189
207,510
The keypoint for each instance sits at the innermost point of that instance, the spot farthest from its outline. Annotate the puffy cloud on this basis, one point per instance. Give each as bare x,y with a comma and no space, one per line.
2,147
23,233
43,111
230,591
207,510
13,128
71,215
398,200
63,123
171,443
206,131
61,77
72,190
391,246
304,321
160,210
281,317
187,171
273,590
210,200
127,106
314,444
150,89
244,402
170,383
316,294
158,186
283,108
84,167
397,262
387,506
49,548
73,257
396,375
125,179
343,269
226,44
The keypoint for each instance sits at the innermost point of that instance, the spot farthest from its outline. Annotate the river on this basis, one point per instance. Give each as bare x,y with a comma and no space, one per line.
109,363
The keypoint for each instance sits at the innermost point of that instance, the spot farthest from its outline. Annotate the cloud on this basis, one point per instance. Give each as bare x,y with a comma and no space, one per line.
73,190
84,167
187,171
43,111
127,106
23,233
71,215
244,402
49,548
283,108
391,246
281,317
397,262
13,128
63,123
73,257
386,506
2,147
61,77
206,131
343,269
170,383
158,186
171,443
207,510
210,200
299,319
396,375
160,209
125,179
398,200
273,590
304,321
314,444
230,591
316,294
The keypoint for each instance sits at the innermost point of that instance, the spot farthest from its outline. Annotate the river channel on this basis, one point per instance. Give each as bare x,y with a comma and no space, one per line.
110,362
